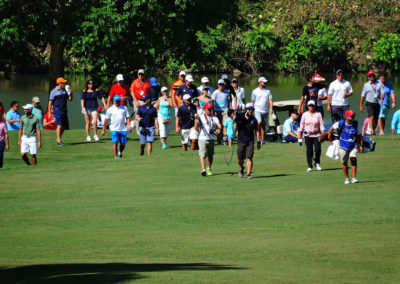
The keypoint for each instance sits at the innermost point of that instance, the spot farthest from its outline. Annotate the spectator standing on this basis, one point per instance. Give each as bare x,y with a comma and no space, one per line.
229,88
163,107
310,92
13,117
261,98
119,89
174,90
204,83
37,111
29,136
139,88
222,103
396,122
155,90
239,98
205,97
387,93
49,121
147,117
187,88
291,127
185,121
4,143
370,93
229,127
3,112
338,92
58,98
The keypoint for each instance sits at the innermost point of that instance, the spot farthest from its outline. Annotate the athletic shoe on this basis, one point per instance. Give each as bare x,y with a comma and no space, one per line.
346,181
354,180
240,173
263,142
60,144
164,146
115,157
203,173
249,176
88,139
119,154
309,169
209,172
318,167
96,138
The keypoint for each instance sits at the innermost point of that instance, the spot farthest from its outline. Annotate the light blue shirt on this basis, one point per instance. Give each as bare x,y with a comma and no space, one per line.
38,112
230,130
12,115
396,122
290,125
221,100
388,90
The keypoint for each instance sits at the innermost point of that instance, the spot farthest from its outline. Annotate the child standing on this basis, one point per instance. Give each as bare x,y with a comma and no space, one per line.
229,129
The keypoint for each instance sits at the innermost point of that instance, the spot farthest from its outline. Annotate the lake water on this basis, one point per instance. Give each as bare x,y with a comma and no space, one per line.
283,87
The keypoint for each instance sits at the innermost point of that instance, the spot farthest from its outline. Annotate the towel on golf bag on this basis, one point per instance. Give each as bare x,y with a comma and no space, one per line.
333,150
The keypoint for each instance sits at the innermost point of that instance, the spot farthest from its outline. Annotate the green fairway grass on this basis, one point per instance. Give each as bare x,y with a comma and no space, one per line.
80,216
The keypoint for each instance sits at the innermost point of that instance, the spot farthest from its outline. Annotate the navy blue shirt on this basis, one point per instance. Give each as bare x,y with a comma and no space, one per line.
147,114
186,115
246,129
183,90
59,98
155,92
90,99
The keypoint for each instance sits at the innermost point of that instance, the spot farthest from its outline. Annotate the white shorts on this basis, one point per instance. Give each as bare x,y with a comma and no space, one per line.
185,135
163,128
194,134
28,144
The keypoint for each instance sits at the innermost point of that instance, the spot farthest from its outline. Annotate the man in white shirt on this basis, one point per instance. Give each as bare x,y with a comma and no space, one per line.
261,97
204,83
239,101
205,124
120,122
338,92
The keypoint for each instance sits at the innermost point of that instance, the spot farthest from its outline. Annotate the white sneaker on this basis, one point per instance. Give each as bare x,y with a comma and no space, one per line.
88,139
309,169
354,180
318,167
119,154
346,181
96,138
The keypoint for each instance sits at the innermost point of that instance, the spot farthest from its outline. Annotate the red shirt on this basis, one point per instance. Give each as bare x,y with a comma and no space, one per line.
140,88
52,126
120,90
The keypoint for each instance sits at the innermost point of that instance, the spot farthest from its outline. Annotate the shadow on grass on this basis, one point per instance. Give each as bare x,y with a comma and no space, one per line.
83,142
95,273
272,176
332,169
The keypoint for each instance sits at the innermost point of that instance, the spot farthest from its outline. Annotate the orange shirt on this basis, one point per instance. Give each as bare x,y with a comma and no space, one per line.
120,90
175,86
140,88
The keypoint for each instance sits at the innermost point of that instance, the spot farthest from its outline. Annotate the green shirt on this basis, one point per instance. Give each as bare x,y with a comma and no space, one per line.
38,112
29,125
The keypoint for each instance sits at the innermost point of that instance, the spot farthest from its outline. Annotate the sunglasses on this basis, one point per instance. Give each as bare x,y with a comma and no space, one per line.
90,83
141,74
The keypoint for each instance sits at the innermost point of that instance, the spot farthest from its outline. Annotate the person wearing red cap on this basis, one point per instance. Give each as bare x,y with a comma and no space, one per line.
370,94
207,125
349,131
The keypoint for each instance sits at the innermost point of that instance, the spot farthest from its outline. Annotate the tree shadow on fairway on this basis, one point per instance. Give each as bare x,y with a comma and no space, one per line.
272,176
95,273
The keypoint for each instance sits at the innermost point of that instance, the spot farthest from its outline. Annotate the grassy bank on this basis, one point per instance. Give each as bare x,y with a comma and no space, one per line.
81,216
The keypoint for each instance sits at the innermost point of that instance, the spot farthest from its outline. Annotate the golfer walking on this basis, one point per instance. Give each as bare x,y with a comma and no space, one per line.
29,136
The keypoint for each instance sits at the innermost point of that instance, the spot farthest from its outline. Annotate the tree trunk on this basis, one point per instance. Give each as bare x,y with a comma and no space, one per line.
56,66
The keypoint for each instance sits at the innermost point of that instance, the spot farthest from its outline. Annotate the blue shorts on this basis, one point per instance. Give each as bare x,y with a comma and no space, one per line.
61,117
231,137
146,135
119,136
90,111
383,111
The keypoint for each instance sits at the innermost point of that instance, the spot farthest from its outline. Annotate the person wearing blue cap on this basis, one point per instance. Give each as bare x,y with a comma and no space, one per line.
119,116
147,117
155,90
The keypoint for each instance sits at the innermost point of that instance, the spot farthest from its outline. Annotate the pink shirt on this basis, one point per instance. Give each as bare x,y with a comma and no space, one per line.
3,130
312,123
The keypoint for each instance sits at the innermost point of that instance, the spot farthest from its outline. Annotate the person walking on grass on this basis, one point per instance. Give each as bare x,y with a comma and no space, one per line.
119,89
229,127
349,132
247,127
222,103
163,106
370,93
4,143
148,123
239,98
207,125
58,98
185,121
13,117
139,88
174,90
204,84
313,126
37,111
396,122
205,97
89,107
387,92
338,92
29,136
119,126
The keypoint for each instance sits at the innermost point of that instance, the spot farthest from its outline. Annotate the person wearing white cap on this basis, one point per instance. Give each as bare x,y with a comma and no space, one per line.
313,126
174,89
37,111
247,127
261,97
240,100
222,103
119,89
163,106
29,136
140,87
187,88
229,88
204,83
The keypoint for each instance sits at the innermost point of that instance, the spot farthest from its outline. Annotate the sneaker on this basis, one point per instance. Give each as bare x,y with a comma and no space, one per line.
249,176
115,157
309,169
354,180
60,144
88,139
318,167
346,181
240,173
164,146
96,138
203,173
119,154
263,142
209,172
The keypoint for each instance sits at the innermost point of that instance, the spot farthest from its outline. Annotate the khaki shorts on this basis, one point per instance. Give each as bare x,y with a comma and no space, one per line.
206,148
345,154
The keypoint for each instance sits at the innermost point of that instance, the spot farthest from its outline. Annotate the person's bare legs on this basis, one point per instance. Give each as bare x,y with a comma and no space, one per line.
193,146
345,170
184,147
34,159
59,132
381,124
249,165
115,147
87,124
354,171
94,118
25,158
210,161
149,148
203,163
372,124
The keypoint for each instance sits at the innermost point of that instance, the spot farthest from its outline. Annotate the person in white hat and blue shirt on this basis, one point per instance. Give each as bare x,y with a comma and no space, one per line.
29,136
261,97
222,103
204,83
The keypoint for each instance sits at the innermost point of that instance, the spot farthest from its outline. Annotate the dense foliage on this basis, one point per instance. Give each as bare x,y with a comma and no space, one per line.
106,37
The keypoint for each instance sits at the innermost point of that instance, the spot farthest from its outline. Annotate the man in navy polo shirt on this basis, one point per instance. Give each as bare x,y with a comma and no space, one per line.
185,121
188,88
147,117
58,98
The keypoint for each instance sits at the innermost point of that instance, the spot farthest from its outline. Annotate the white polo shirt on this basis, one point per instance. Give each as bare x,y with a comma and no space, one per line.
337,90
118,116
261,99
206,126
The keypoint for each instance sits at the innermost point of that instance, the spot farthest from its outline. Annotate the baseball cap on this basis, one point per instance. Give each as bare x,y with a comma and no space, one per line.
262,79
338,71
224,77
249,106
117,98
204,80
195,100
61,80
182,73
234,80
153,81
99,108
220,81
371,73
140,71
318,77
205,88
120,77
164,89
311,103
349,113
187,97
28,106
35,100
145,97
189,78
207,106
